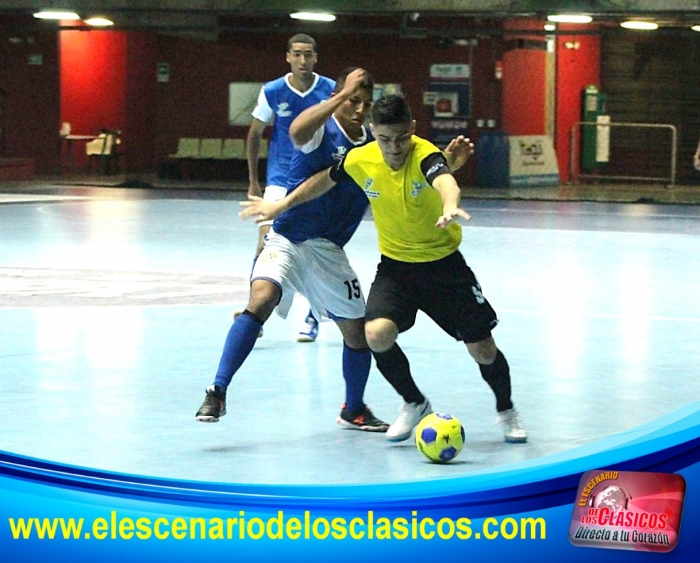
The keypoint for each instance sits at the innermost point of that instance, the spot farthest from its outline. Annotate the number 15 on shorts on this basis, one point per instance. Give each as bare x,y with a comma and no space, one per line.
353,287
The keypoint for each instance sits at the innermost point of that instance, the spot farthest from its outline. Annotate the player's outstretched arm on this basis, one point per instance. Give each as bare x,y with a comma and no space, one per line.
458,152
451,195
310,189
302,129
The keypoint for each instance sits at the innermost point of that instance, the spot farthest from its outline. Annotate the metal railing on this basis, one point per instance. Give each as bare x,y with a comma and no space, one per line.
674,150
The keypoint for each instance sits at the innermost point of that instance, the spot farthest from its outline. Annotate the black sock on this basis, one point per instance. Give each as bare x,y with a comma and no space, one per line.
497,375
393,365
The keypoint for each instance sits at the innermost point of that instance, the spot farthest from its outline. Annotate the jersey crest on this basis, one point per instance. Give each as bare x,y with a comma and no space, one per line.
340,153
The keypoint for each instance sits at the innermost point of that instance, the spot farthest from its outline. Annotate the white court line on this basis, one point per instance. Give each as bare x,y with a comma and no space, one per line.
585,213
31,198
603,316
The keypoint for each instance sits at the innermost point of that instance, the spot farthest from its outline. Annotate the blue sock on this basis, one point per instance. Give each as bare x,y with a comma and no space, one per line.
356,364
239,342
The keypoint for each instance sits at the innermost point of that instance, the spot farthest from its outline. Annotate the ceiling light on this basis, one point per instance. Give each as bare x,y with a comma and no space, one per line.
56,15
570,18
550,27
639,25
313,16
695,28
99,22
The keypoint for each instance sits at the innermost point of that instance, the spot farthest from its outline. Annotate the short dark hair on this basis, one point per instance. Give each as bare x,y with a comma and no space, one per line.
391,110
301,38
367,84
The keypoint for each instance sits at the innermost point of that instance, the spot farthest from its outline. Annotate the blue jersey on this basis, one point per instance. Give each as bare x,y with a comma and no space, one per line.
278,104
336,214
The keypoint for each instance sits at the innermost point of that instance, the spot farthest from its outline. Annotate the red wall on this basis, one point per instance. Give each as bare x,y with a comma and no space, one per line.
93,82
576,68
524,80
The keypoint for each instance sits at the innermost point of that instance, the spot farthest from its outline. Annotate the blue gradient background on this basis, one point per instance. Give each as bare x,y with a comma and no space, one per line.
544,487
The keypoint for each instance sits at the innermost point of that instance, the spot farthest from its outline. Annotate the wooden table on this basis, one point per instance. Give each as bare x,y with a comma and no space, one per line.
68,141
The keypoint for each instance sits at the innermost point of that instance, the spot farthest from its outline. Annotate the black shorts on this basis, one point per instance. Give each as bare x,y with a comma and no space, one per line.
446,290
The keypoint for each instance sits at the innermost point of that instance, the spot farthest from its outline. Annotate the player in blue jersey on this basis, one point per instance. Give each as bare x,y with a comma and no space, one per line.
303,253
279,102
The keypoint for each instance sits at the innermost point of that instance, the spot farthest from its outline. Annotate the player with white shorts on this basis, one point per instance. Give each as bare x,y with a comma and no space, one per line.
303,253
279,102
317,269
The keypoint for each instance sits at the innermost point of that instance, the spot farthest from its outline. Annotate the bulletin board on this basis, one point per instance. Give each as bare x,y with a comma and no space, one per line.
242,97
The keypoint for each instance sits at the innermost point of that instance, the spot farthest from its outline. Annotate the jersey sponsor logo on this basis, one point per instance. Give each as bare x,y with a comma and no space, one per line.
417,188
282,110
368,192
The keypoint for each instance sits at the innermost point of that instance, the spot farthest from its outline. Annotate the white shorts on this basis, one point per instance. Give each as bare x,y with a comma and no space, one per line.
272,193
317,269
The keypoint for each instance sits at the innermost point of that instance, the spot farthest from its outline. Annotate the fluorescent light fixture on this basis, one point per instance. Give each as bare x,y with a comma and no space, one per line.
99,22
313,16
695,28
550,27
56,15
570,18
640,25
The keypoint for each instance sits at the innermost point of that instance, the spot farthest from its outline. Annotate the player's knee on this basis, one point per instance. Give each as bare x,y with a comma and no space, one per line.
264,296
354,334
483,352
380,334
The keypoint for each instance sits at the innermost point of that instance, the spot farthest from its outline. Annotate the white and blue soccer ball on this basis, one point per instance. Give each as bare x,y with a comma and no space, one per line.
440,437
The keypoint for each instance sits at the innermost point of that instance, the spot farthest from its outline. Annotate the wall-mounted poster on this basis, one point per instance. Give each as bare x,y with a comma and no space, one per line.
449,101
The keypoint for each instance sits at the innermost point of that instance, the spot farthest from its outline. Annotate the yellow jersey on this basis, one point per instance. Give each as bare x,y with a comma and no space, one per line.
405,206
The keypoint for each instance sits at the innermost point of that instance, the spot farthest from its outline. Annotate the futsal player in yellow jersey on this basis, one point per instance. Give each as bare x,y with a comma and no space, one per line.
415,202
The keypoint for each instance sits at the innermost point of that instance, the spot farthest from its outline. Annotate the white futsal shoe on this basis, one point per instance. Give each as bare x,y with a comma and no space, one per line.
512,426
410,415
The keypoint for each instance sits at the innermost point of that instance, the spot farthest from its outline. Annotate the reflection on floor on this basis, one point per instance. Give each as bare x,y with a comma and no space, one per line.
114,304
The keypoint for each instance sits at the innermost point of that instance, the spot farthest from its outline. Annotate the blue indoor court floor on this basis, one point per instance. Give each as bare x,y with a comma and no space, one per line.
114,306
